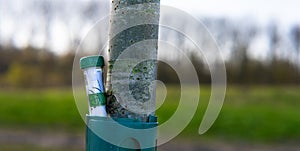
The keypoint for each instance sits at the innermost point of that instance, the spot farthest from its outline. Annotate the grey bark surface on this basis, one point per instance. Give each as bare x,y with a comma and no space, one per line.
132,58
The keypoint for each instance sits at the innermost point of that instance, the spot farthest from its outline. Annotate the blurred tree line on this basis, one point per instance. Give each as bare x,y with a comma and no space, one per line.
246,71
41,68
32,67
281,65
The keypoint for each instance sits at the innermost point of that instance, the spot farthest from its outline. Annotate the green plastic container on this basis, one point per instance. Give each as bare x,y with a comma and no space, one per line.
110,128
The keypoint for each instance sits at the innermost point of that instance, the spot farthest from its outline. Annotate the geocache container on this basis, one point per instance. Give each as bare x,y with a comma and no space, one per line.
104,133
92,67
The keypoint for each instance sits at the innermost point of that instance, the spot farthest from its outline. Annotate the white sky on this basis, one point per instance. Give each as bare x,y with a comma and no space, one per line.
285,11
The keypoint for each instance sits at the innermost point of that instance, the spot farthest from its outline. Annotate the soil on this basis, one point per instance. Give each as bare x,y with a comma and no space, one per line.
59,140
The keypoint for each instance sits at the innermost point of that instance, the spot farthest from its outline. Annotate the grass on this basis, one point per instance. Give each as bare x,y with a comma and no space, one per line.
50,109
267,114
258,113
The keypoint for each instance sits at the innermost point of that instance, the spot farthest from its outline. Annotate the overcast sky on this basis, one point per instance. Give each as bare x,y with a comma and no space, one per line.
17,18
284,11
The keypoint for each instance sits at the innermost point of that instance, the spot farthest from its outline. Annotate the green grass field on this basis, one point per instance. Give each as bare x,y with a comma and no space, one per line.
259,113
49,109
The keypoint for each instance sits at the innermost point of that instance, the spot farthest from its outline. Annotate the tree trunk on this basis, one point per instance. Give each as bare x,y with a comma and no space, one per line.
132,58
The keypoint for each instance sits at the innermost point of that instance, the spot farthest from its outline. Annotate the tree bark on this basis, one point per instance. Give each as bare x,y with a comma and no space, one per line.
132,58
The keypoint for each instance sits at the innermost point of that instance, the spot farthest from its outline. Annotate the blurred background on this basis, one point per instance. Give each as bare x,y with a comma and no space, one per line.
260,43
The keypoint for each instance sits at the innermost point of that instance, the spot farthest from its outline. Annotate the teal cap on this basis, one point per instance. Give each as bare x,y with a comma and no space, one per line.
91,61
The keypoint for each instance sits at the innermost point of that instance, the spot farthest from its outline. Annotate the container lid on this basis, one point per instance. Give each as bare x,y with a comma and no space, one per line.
91,61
